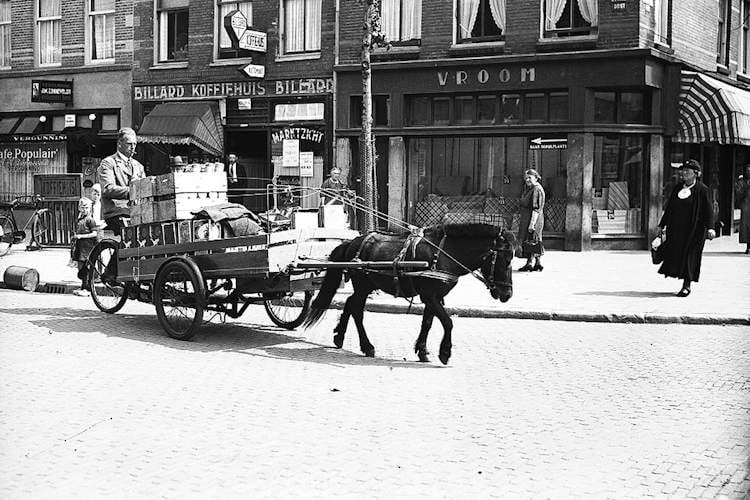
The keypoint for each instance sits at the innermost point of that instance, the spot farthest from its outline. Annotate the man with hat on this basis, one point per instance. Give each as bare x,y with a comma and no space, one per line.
115,174
176,163
686,223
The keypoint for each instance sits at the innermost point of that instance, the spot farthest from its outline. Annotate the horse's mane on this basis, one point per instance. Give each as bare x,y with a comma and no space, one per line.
469,230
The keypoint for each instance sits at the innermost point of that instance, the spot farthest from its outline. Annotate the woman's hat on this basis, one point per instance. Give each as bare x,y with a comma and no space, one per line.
176,161
692,164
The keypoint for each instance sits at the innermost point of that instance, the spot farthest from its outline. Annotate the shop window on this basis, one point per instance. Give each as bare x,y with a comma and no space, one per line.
481,178
100,34
418,111
110,122
510,108
722,33
401,20
49,21
621,107
302,19
486,111
224,42
558,107
4,33
465,110
564,18
620,163
308,111
380,110
441,111
661,21
480,20
534,108
172,19
745,38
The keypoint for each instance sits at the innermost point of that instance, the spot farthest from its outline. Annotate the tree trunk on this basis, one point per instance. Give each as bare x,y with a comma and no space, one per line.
366,150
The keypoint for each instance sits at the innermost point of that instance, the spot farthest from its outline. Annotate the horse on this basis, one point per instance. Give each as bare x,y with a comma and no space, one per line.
450,251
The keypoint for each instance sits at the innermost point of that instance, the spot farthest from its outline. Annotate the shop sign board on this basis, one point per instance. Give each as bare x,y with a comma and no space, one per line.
306,164
51,91
31,156
235,24
254,70
539,143
70,120
253,40
239,89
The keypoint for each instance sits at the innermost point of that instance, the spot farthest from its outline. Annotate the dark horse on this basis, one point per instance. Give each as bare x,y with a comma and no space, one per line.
450,251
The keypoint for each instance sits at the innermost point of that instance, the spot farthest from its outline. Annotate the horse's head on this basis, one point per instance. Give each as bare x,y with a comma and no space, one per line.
496,266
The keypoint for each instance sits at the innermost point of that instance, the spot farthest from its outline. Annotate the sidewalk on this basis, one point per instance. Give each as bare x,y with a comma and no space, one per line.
613,286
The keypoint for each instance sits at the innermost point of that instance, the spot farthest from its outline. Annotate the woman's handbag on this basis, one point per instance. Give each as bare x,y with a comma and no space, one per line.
657,250
532,246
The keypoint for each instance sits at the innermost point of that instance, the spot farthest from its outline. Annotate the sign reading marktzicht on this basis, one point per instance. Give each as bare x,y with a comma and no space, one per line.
51,91
260,88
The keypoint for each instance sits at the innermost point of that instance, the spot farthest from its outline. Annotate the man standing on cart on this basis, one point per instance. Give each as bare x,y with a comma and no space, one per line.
115,173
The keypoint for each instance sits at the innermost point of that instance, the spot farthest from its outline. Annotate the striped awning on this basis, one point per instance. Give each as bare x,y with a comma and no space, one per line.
190,123
712,111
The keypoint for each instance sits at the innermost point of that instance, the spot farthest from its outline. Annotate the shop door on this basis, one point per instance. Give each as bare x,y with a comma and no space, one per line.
255,168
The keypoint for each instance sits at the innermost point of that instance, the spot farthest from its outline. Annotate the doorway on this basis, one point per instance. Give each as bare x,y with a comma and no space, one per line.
254,175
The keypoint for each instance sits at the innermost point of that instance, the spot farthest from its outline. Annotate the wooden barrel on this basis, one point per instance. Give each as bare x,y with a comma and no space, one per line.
21,278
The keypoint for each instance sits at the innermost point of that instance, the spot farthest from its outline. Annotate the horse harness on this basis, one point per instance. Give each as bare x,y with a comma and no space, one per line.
408,252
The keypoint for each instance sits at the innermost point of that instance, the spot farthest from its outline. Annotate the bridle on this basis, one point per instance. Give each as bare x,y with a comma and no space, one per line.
493,284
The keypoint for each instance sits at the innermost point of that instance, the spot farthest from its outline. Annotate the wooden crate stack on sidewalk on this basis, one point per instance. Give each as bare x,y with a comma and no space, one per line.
162,206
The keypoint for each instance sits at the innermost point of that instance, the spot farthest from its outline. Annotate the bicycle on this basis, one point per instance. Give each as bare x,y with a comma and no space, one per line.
39,223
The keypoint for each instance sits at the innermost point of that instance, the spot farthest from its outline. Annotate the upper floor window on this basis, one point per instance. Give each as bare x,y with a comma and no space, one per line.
622,107
224,7
480,20
101,30
661,22
745,38
722,32
172,21
49,20
401,20
4,33
569,17
302,19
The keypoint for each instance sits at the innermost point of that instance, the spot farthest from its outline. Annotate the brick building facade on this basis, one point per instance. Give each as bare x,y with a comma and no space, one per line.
65,71
596,95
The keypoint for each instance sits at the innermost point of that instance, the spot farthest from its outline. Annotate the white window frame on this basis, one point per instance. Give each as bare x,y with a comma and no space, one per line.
574,32
399,38
38,34
722,32
219,23
304,54
661,22
6,25
499,39
90,18
160,38
744,42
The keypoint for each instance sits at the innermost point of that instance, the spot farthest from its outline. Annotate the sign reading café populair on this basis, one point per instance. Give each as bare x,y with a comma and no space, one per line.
259,88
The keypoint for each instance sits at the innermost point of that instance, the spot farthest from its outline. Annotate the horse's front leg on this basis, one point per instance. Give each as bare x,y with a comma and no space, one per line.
420,346
340,330
445,345
358,313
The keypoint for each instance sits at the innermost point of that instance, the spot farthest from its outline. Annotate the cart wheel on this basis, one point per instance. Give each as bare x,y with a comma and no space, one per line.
290,310
40,230
109,294
179,295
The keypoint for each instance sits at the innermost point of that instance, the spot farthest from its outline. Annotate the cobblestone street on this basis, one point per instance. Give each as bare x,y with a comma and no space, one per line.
109,406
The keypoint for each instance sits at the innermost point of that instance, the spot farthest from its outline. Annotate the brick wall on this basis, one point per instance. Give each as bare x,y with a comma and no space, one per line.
694,28
201,45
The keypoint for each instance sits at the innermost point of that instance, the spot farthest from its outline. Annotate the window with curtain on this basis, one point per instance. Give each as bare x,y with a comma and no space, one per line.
745,37
722,33
401,20
569,17
480,20
4,33
302,20
172,18
661,21
48,21
101,30
224,43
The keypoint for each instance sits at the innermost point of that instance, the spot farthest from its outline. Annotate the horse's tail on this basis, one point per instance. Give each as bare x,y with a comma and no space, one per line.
327,291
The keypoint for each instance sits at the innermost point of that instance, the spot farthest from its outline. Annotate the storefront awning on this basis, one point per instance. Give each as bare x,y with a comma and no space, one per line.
6,125
28,125
712,111
195,123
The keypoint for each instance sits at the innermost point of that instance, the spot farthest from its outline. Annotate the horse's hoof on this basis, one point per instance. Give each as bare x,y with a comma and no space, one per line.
369,353
338,341
423,357
444,358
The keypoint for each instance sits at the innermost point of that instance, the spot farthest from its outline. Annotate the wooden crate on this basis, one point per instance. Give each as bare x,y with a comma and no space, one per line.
611,221
190,182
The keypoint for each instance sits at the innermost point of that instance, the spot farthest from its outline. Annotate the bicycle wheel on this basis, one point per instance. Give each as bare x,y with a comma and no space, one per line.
40,230
179,296
7,230
108,294
290,310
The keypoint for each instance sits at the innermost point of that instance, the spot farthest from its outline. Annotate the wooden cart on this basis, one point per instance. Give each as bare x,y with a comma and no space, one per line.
185,281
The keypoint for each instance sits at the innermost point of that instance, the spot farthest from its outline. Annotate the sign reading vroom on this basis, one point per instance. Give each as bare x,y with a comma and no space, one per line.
300,86
485,76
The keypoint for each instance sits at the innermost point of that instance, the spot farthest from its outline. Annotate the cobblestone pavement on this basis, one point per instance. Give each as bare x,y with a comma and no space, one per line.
108,406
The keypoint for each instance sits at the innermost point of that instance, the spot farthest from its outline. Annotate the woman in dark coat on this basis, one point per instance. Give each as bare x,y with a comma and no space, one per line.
687,220
532,219
743,200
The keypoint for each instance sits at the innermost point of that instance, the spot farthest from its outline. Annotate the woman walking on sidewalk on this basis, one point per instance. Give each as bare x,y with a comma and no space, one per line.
742,189
532,221
687,218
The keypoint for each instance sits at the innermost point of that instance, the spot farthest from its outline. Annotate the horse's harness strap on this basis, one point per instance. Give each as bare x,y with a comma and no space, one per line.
443,276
